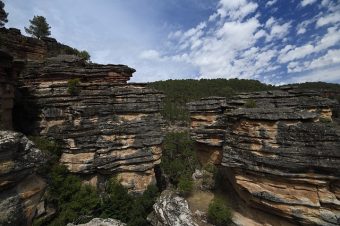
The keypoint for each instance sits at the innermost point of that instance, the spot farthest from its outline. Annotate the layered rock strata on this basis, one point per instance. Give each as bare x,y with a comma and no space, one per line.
105,127
31,49
281,154
20,188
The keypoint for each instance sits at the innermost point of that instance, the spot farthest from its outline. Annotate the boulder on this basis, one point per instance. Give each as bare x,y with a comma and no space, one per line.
100,222
171,210
21,189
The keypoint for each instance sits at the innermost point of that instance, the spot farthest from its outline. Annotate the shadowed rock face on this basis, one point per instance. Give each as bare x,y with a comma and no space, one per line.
105,128
8,73
20,189
282,155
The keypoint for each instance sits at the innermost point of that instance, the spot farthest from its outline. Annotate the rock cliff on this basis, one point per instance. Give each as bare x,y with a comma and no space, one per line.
31,49
9,70
279,150
105,126
20,188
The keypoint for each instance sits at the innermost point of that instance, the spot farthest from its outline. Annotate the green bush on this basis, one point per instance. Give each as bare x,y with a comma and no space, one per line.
84,55
78,203
73,86
185,185
179,157
120,205
117,203
219,213
73,201
325,120
250,104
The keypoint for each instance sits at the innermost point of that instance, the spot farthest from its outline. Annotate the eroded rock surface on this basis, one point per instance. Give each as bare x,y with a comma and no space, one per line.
105,126
171,210
20,188
281,155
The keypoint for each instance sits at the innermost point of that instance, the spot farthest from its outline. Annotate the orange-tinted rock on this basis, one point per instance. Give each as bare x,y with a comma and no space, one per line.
282,155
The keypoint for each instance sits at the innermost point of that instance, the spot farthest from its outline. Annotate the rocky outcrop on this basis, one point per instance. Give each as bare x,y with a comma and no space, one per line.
171,210
9,70
101,222
31,49
281,154
105,127
20,188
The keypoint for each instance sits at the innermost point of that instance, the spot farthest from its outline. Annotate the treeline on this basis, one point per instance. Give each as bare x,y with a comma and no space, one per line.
180,92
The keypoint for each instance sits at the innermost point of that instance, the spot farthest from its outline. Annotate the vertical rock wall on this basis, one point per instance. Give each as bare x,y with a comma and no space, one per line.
8,74
281,154
106,127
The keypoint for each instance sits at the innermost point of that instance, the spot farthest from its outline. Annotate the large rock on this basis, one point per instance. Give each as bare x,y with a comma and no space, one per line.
100,222
21,190
281,155
171,210
106,128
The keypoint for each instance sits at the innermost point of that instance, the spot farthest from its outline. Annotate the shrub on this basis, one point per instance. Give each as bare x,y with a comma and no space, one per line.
117,203
185,185
84,55
72,200
179,157
73,88
325,120
250,104
211,168
219,213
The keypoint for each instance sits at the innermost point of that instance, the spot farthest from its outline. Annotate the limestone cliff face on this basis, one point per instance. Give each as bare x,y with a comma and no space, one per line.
281,155
20,188
106,127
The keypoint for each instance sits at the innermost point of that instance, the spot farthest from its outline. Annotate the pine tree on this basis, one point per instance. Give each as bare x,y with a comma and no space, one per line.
3,14
39,28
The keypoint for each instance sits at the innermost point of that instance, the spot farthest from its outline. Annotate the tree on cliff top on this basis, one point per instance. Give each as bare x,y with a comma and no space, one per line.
39,28
3,14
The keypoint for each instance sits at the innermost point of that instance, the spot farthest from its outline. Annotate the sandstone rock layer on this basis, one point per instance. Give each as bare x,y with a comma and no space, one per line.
105,126
281,154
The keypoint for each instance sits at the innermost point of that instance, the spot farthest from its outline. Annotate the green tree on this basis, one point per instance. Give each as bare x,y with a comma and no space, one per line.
39,27
85,55
219,213
3,14
185,185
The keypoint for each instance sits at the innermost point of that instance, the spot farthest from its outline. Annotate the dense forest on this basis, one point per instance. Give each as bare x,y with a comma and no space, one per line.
180,92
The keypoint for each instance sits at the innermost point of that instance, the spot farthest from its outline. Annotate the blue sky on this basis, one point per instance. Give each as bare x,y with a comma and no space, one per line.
274,41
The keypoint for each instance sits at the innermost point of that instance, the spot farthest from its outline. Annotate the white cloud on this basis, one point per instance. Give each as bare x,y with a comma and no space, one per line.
234,9
278,31
296,53
328,19
330,74
331,38
307,2
150,55
332,57
270,3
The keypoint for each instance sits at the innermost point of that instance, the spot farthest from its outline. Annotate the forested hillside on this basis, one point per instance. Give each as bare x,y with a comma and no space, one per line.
179,92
